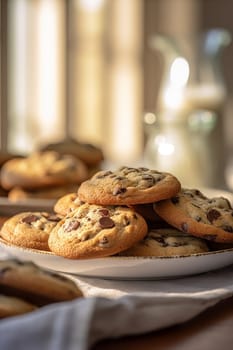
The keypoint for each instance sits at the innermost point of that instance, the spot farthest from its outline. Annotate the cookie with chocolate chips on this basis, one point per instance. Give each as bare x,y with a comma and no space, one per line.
41,170
36,285
29,229
192,212
67,204
166,242
93,231
128,186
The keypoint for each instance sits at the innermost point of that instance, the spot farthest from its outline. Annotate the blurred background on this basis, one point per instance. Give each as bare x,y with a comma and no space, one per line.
150,82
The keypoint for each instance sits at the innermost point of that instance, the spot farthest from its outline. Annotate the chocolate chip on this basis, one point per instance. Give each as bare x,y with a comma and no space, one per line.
159,178
123,168
126,221
30,218
161,241
198,218
184,226
53,218
143,169
127,170
199,194
71,225
190,195
120,178
103,241
227,228
175,200
213,215
103,174
118,190
106,222
210,237
103,212
149,179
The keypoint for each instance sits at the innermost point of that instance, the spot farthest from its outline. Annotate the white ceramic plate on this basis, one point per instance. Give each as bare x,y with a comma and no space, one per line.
140,268
8,208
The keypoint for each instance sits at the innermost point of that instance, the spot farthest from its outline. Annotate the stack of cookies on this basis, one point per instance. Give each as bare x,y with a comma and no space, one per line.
45,174
25,287
123,199
127,212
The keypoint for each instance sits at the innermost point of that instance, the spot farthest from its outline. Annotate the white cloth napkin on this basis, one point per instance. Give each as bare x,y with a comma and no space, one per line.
114,308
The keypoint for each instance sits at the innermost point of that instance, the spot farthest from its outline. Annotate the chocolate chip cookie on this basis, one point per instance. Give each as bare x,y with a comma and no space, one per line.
67,203
29,229
28,281
90,154
93,231
128,186
167,242
192,212
42,169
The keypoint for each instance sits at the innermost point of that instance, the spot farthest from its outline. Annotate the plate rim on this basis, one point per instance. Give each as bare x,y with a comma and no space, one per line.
26,201
4,243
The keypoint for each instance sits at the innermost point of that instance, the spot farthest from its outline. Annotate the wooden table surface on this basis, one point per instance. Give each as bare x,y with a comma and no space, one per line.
213,329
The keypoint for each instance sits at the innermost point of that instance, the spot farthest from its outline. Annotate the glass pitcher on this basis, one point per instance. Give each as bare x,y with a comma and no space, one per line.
186,135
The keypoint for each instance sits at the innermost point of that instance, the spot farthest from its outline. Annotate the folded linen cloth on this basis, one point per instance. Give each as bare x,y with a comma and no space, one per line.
114,308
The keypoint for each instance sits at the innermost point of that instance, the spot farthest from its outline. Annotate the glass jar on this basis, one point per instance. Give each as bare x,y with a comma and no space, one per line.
187,136
185,148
